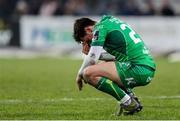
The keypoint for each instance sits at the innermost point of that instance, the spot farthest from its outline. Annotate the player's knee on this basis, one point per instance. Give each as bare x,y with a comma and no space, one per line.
87,74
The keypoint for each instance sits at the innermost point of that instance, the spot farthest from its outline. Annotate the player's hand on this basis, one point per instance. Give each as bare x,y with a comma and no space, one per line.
79,82
86,48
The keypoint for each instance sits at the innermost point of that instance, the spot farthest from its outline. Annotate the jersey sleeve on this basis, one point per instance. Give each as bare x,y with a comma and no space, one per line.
99,35
91,58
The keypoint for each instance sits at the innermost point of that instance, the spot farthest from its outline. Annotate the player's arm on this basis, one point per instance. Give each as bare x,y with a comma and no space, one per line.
99,35
90,59
105,56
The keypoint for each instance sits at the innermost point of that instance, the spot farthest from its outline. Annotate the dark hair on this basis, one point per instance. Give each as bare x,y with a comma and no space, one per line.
79,26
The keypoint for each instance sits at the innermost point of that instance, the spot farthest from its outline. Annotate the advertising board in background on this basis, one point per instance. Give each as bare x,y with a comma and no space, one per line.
159,33
46,32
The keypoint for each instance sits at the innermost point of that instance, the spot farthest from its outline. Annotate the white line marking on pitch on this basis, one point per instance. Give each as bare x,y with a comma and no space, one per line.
19,101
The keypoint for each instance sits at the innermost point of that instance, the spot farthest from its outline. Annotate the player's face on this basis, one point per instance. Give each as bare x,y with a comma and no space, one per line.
88,36
87,39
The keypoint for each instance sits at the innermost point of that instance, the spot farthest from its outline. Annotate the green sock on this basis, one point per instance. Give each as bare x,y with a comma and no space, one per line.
111,88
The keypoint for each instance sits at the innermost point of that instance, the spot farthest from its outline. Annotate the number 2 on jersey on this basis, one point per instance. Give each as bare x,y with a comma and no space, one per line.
132,33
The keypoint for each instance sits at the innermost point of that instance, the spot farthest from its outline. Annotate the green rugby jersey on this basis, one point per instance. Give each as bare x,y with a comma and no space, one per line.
120,40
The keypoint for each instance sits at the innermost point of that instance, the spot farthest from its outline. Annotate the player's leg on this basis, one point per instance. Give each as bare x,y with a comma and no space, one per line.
105,77
133,75
118,82
106,69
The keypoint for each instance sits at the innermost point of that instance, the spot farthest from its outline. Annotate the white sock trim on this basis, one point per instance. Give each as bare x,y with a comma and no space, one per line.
125,98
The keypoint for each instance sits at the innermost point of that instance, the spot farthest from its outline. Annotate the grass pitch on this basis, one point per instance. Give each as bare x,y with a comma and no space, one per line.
45,88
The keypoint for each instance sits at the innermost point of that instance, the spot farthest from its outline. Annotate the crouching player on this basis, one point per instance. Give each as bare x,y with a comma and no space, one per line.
133,65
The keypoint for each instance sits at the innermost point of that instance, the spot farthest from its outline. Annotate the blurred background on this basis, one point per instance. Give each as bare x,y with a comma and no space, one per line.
31,28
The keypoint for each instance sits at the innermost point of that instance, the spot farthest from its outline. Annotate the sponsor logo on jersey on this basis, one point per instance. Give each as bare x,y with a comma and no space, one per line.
96,35
130,81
